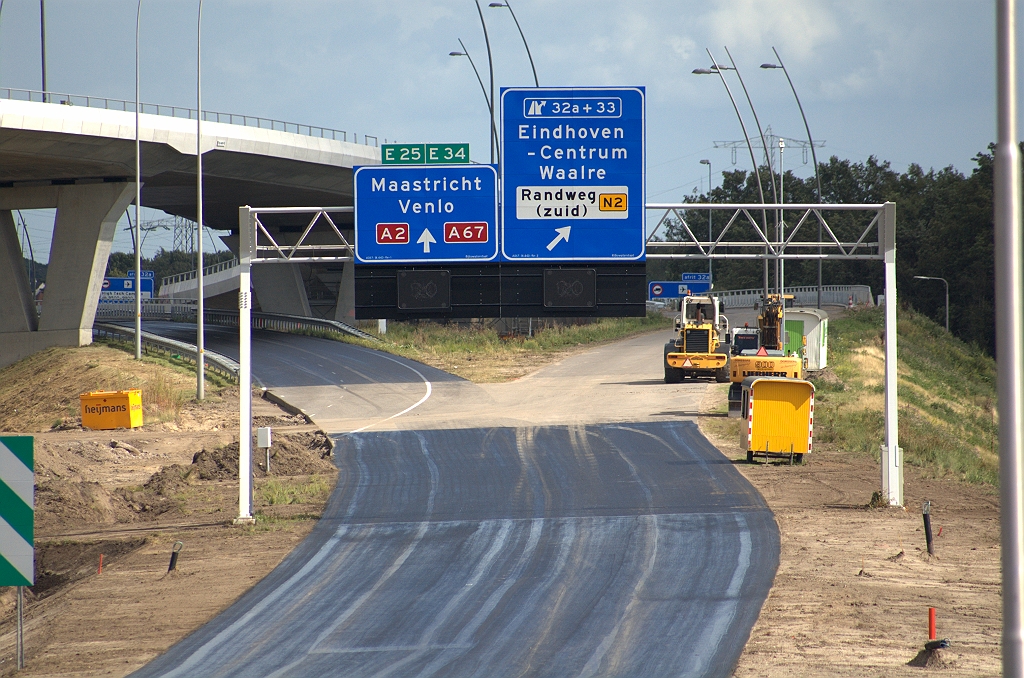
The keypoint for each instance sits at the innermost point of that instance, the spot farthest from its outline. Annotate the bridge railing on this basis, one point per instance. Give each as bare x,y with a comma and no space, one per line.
831,295
187,113
190,275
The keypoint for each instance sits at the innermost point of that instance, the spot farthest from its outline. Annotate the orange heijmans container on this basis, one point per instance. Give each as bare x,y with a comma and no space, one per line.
111,409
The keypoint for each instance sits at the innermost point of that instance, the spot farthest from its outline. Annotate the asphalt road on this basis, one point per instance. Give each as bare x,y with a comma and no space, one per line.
572,523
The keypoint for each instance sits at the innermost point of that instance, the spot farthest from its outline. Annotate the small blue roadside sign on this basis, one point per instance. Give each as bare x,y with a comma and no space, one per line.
572,167
696,277
673,289
433,213
145,274
120,289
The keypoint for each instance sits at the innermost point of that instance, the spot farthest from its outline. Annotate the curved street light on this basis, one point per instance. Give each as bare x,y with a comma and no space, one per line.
490,69
536,82
928,277
746,137
465,53
814,157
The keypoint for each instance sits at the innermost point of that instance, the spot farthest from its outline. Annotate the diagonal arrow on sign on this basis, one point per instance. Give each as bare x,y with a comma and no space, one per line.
425,239
563,234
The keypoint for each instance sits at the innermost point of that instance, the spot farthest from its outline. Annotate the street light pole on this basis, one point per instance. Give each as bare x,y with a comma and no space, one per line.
490,68
1009,321
760,188
465,53
138,198
814,157
710,211
42,44
928,277
536,82
200,348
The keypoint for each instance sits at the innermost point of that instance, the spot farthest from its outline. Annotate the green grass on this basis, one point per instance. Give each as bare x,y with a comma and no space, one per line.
294,490
477,352
947,395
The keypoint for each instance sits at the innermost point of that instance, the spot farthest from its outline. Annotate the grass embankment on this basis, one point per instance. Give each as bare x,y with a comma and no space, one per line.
41,391
947,395
478,353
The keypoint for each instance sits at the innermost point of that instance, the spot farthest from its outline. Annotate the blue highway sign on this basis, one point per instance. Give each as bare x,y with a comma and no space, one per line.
436,213
696,277
673,289
115,289
572,167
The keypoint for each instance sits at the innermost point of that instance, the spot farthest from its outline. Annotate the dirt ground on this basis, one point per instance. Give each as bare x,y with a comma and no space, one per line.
850,598
130,496
854,584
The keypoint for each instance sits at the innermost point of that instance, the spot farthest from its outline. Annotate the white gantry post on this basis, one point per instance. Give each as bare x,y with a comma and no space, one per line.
892,455
246,252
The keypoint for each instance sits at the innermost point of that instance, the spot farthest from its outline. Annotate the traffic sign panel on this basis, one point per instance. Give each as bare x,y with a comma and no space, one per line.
696,277
428,154
573,174
17,511
443,213
673,289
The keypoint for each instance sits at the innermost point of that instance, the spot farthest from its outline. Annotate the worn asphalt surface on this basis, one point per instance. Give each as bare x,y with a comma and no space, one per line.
571,523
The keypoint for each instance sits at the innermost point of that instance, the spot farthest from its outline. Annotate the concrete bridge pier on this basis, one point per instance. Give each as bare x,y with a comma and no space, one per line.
83,232
279,288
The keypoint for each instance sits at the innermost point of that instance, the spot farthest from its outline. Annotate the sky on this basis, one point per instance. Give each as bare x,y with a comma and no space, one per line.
907,82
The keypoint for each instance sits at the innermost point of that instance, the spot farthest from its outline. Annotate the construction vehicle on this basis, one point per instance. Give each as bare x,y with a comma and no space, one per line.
699,348
769,359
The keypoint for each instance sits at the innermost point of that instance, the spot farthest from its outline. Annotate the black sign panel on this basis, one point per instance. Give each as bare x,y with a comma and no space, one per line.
424,290
501,290
570,288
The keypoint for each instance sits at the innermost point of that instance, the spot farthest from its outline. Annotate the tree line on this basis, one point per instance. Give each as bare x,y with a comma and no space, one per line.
944,228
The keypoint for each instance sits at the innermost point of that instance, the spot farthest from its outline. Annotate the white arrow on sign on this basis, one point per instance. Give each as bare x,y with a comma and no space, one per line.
563,234
426,239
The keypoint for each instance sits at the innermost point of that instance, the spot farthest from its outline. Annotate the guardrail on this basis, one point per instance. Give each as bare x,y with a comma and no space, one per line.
284,323
831,295
214,361
183,112
190,275
155,309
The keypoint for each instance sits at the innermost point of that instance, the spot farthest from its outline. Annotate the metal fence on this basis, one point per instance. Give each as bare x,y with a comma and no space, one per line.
190,275
186,113
831,295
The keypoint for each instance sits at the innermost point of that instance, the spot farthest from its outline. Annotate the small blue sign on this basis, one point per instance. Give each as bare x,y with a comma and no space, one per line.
696,277
433,213
673,289
145,274
572,167
124,288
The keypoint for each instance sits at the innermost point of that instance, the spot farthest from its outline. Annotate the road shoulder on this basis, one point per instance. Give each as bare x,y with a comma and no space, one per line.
854,583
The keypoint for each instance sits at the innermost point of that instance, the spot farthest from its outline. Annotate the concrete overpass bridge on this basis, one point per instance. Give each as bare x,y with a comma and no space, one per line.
77,154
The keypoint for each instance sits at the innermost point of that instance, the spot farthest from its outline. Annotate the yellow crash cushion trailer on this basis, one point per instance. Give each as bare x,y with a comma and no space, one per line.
780,417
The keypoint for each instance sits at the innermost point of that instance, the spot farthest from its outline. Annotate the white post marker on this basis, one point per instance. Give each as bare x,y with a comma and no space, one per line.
17,522
263,441
246,233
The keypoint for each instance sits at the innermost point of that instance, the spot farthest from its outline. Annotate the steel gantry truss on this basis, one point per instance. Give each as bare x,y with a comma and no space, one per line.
872,238
851,232
320,241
